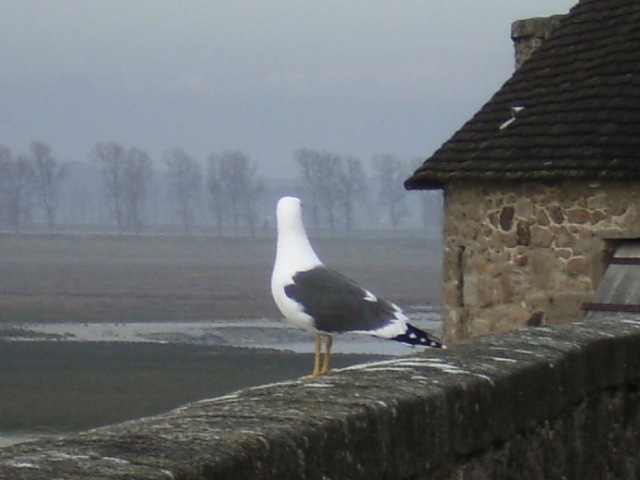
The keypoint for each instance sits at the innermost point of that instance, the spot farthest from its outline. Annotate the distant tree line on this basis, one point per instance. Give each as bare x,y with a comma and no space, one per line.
29,178
125,188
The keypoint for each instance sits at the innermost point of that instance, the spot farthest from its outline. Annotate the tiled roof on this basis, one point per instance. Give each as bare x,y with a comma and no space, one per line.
581,118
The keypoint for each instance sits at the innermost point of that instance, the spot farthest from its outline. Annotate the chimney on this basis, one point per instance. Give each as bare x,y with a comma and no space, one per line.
528,34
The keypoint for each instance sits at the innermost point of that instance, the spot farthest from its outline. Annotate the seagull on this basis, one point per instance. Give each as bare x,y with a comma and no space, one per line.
325,302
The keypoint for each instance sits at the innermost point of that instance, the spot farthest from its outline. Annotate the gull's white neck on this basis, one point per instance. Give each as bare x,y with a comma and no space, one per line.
294,251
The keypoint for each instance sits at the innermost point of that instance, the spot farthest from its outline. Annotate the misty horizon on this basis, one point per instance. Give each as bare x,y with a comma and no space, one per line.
226,192
267,79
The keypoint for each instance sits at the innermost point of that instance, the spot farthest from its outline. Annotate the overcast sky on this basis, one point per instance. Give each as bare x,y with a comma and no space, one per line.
266,76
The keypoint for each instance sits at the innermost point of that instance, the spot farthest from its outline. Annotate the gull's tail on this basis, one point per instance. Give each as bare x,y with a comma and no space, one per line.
415,336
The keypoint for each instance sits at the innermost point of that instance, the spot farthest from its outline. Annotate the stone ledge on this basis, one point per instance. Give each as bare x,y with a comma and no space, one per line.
612,234
400,418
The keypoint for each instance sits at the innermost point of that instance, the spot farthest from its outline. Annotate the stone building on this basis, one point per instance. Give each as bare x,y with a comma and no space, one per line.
543,182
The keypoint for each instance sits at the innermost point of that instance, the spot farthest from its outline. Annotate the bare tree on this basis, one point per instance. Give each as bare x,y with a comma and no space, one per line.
185,184
6,157
330,194
352,182
254,188
16,188
390,173
48,175
242,188
216,190
136,177
230,173
110,157
320,174
305,159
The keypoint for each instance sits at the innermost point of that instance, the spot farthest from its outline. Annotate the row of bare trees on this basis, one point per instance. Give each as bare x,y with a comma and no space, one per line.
26,178
127,175
235,190
36,180
230,184
336,186
226,190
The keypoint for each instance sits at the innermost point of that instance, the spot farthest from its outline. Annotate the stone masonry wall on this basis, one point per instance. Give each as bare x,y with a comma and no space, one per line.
528,253
528,34
558,403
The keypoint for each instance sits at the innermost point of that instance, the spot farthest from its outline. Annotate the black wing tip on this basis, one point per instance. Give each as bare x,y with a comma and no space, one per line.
415,336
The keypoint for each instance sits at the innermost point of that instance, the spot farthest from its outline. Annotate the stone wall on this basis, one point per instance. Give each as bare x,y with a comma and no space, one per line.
528,253
558,402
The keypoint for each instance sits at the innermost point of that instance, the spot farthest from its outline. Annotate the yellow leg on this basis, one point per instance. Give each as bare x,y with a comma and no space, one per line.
327,355
316,361
317,371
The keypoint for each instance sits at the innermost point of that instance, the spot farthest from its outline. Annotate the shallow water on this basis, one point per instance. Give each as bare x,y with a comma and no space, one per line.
267,333
254,333
6,440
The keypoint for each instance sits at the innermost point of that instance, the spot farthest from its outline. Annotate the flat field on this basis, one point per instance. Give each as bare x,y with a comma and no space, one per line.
92,278
65,386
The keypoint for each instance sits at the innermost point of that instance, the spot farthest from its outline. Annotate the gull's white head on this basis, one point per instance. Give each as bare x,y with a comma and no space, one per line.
293,242
289,216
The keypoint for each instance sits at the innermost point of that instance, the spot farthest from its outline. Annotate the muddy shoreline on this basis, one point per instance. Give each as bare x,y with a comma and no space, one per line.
265,333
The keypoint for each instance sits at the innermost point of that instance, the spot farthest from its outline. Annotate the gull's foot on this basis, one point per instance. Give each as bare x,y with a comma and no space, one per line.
314,375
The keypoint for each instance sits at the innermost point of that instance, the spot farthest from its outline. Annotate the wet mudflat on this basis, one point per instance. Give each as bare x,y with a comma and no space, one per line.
67,386
145,297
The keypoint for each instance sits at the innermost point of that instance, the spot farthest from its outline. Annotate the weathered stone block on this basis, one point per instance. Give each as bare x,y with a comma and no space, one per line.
542,264
598,200
597,216
542,218
619,207
566,307
470,289
510,239
522,260
506,218
572,284
452,293
470,230
486,231
527,35
523,233
524,208
539,302
541,236
577,266
481,266
564,238
457,326
579,215
555,213
494,219
489,293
